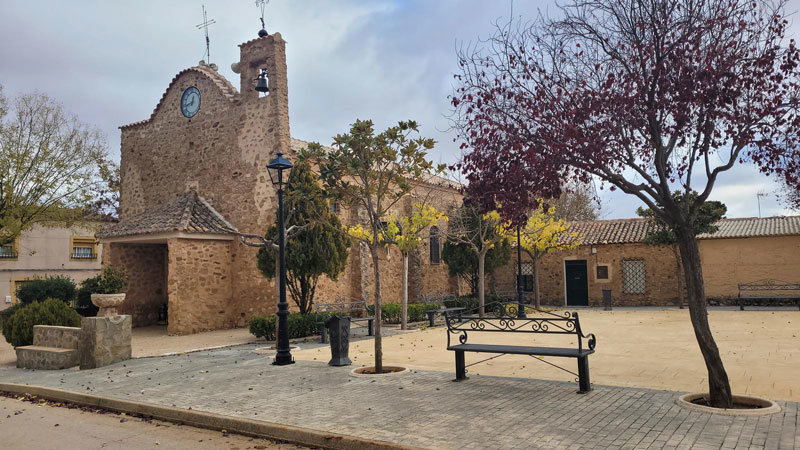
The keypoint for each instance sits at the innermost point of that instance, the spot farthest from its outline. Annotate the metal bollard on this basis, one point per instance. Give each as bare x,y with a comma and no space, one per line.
606,299
339,331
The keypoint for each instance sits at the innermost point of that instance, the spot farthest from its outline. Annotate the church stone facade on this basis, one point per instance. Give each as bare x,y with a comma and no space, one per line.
189,184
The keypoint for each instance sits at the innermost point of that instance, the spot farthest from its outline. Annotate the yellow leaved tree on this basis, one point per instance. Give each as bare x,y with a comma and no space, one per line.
407,232
545,233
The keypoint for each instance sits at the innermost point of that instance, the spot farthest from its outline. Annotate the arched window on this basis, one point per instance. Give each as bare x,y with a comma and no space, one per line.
434,244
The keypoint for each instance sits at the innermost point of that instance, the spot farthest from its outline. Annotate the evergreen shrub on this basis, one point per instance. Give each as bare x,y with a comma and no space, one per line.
18,329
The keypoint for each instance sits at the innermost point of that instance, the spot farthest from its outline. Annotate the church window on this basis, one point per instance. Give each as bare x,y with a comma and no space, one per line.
435,255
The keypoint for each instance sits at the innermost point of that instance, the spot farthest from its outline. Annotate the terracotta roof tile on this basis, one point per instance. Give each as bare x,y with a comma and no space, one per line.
188,213
626,231
754,227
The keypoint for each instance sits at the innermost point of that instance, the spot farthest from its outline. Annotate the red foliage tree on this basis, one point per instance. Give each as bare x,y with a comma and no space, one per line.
646,96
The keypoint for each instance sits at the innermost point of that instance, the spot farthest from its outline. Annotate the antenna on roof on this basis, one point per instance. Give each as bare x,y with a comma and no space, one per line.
204,26
760,194
262,4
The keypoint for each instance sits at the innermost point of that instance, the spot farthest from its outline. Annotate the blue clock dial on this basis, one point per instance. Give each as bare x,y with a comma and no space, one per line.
190,101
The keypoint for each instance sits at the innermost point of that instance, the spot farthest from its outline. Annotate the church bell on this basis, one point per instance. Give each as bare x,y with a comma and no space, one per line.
262,85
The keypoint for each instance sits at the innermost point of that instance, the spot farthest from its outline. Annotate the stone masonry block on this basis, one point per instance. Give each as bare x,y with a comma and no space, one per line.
105,340
57,337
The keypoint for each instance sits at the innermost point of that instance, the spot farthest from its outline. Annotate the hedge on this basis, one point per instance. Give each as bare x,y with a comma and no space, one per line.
40,289
300,325
390,312
18,329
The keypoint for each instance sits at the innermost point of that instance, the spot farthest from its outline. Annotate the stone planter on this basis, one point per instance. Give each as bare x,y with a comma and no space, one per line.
107,303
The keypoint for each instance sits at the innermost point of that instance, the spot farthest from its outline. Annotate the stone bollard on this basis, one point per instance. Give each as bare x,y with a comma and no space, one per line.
104,340
339,329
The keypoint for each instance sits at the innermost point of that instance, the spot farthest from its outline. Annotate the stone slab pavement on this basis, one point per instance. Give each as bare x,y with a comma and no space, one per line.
422,408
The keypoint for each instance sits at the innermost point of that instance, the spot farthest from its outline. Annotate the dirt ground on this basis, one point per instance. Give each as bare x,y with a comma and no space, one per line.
647,347
154,341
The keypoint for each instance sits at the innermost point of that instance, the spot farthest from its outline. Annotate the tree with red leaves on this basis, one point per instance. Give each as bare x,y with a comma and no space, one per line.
645,96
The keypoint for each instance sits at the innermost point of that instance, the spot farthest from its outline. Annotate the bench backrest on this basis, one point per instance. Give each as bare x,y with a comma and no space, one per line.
501,317
359,305
437,298
769,285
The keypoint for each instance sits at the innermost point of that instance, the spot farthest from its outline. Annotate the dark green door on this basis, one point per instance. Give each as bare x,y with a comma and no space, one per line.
577,283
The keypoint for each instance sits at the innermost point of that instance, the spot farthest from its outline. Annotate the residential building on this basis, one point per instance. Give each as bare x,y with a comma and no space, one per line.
44,251
613,256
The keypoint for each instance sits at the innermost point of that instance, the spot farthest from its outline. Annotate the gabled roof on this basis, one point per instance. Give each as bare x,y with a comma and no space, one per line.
755,227
188,213
226,88
627,231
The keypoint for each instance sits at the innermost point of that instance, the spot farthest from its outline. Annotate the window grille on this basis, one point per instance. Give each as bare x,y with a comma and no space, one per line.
83,248
7,252
435,255
634,276
527,276
334,207
602,272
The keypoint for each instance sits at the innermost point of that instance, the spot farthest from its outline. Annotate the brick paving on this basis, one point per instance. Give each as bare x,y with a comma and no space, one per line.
423,408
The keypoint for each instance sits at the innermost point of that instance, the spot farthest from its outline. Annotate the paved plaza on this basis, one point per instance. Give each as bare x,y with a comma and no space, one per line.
421,408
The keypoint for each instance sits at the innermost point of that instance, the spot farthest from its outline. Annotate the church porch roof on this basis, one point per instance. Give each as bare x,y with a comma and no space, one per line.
188,213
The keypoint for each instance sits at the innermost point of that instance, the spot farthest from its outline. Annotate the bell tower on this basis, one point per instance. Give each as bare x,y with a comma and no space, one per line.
268,51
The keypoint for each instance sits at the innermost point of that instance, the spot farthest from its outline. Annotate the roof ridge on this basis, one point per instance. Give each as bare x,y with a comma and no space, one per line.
215,213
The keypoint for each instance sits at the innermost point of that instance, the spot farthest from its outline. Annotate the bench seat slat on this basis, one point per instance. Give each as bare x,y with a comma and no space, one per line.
522,350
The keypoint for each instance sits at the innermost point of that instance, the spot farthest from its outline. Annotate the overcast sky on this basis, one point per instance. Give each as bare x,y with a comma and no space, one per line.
109,62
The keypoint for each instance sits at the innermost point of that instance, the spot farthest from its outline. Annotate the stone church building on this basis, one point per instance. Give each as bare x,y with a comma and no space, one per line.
194,173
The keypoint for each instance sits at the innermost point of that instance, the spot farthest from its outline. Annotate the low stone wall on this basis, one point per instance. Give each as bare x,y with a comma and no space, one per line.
58,337
99,342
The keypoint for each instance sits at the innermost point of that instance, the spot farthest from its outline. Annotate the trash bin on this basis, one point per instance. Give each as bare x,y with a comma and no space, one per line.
339,333
606,299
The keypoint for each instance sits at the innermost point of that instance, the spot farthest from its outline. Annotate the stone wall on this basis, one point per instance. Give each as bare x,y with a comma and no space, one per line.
147,289
199,286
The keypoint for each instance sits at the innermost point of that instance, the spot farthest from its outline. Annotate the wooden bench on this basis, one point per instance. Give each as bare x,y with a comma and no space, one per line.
502,318
349,307
749,292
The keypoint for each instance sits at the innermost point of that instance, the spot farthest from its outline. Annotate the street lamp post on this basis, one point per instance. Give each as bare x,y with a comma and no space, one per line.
520,305
284,355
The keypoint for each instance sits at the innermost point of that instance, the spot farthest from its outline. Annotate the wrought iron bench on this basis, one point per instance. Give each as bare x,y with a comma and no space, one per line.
355,306
748,292
440,299
502,318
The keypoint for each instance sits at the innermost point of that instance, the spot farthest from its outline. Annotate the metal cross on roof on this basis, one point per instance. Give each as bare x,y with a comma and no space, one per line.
204,26
262,4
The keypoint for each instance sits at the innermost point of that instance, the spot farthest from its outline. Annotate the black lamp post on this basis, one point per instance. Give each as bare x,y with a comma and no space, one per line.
520,305
284,356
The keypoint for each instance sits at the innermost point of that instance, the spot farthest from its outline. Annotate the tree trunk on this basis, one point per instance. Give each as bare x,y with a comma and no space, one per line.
719,387
404,306
481,283
678,275
536,300
378,342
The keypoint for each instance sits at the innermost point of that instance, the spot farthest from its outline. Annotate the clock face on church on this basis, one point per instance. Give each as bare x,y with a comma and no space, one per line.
190,101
